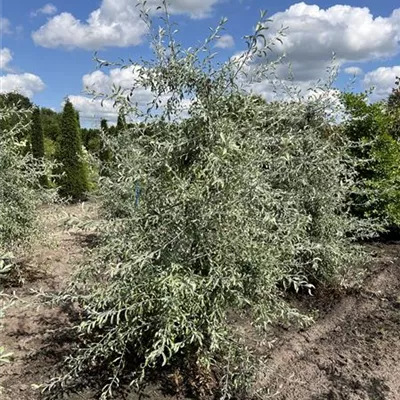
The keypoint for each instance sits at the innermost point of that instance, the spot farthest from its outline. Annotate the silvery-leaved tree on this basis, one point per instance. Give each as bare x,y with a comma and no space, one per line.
214,204
20,192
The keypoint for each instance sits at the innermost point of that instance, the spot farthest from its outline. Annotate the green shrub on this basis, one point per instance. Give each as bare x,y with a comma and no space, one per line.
377,152
73,181
206,217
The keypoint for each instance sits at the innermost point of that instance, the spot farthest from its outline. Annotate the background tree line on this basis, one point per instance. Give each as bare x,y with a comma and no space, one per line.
58,136
82,155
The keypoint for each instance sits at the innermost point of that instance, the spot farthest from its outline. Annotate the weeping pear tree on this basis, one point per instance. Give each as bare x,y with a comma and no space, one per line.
20,197
20,174
217,209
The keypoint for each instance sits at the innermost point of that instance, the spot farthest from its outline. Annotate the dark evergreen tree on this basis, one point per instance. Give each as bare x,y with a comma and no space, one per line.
51,121
37,140
73,183
394,109
91,140
104,125
105,154
121,122
394,97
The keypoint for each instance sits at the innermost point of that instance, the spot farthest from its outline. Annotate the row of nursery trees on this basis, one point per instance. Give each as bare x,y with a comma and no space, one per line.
77,153
206,217
81,154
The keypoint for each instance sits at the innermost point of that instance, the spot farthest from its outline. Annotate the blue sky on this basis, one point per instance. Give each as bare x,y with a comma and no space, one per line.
47,48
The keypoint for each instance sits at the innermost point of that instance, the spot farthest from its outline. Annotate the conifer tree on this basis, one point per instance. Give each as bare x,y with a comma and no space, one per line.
105,153
121,122
73,183
104,125
394,97
37,140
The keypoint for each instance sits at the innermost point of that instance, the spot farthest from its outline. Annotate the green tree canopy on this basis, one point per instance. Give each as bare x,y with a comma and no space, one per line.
369,126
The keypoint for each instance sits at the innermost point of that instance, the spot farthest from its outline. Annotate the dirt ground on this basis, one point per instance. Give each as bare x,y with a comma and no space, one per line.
28,330
351,352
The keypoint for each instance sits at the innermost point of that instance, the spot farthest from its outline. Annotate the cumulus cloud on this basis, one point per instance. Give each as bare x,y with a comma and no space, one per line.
225,42
104,84
197,9
5,58
125,78
94,109
26,84
47,9
116,23
382,80
352,33
314,34
356,71
101,82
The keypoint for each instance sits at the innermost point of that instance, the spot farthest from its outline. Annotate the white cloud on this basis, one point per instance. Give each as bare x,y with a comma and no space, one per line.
101,82
197,9
5,26
94,109
47,9
5,58
313,34
125,78
356,71
26,84
225,42
104,84
383,80
352,33
116,23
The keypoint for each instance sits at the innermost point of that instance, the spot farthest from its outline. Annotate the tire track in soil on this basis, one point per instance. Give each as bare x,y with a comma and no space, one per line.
352,352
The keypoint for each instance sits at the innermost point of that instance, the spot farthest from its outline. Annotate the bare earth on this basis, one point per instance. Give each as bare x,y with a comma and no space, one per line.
351,352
